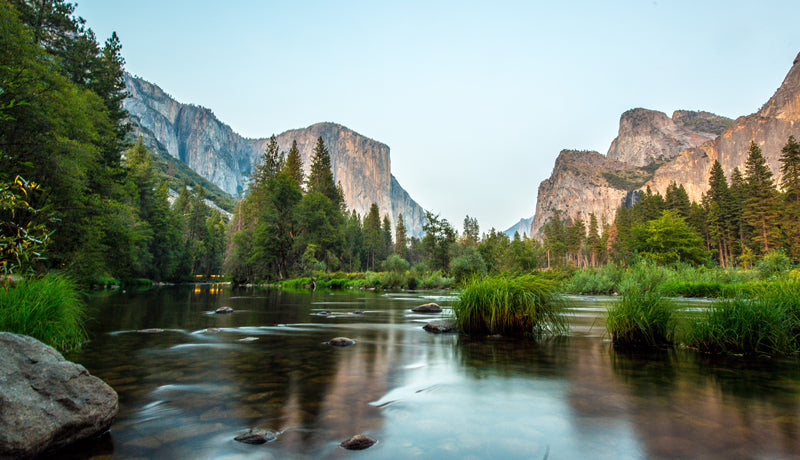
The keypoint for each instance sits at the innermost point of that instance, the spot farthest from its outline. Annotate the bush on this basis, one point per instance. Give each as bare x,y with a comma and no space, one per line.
434,280
642,317
395,263
521,305
48,309
469,263
774,264
603,280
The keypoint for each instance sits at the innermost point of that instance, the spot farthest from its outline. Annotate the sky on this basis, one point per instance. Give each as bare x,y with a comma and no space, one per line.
475,99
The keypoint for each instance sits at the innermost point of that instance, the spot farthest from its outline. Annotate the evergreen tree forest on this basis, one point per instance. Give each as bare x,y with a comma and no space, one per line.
77,196
738,221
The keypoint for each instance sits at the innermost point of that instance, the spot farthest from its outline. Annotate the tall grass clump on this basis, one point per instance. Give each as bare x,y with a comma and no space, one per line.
764,320
643,317
48,309
509,305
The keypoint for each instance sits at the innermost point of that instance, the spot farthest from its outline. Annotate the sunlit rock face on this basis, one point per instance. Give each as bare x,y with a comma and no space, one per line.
195,136
654,150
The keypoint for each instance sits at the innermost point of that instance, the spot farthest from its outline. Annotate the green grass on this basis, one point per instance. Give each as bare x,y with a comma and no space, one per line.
765,320
48,309
602,280
643,317
509,305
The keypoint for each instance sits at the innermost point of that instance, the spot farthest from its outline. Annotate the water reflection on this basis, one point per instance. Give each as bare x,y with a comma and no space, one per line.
187,391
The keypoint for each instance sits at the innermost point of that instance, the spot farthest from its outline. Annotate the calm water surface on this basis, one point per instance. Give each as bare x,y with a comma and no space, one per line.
185,393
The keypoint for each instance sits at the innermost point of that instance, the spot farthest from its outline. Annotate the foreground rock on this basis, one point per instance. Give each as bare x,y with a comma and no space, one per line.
47,402
341,342
256,436
427,308
223,310
358,442
441,326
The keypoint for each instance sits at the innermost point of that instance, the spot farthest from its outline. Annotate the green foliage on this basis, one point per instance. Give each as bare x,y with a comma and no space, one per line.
468,263
760,207
395,263
439,237
642,317
509,305
668,239
23,235
48,309
602,280
774,265
764,322
627,180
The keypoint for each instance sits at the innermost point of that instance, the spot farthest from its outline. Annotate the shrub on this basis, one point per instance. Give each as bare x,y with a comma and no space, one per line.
467,264
395,263
48,309
774,264
434,280
642,317
603,280
506,305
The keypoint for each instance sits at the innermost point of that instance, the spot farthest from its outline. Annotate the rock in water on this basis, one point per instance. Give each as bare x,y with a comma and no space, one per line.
427,308
256,436
223,310
440,326
47,402
341,342
358,442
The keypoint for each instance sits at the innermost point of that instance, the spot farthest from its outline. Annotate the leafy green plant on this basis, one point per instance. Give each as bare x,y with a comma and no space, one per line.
48,309
509,305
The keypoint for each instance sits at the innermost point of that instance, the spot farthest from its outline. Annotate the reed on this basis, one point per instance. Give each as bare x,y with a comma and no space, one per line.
643,317
48,309
509,305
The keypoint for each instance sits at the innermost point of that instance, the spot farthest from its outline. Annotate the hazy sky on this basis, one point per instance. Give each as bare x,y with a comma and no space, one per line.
475,99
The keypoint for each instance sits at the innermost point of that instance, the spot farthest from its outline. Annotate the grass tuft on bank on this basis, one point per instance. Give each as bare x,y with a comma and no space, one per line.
509,306
48,309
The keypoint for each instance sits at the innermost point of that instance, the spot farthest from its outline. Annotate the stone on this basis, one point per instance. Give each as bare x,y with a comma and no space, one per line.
427,308
150,331
341,342
358,442
441,326
47,402
212,330
249,339
223,310
256,436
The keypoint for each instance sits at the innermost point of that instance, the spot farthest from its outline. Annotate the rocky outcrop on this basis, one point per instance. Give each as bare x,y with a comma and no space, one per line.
648,136
195,136
47,402
523,227
654,150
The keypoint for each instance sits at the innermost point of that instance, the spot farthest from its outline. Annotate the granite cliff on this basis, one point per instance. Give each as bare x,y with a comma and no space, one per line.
193,135
654,150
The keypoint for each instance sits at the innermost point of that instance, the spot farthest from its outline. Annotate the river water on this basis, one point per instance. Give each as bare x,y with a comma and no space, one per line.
187,391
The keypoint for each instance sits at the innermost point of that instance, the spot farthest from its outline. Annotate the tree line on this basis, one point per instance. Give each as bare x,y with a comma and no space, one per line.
737,221
77,196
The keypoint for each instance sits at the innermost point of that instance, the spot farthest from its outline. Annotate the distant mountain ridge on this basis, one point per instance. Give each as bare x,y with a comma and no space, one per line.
194,135
654,150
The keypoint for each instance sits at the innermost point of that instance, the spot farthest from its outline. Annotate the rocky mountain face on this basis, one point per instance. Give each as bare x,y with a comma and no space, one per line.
654,150
193,135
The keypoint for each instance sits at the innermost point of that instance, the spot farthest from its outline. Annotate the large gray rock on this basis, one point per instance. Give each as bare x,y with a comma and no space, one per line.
47,402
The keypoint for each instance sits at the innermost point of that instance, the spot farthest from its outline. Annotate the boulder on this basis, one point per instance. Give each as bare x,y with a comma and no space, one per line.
441,326
223,310
256,436
341,342
47,402
427,308
358,442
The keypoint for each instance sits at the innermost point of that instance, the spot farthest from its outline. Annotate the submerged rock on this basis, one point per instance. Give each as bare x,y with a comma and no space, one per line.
47,402
248,339
441,326
358,442
341,342
212,330
256,436
427,308
150,331
223,310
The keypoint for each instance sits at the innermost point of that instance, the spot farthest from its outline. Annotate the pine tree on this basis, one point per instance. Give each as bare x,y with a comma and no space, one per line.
739,195
373,238
386,230
593,241
320,178
790,182
294,165
718,205
400,244
471,231
760,210
676,199
270,165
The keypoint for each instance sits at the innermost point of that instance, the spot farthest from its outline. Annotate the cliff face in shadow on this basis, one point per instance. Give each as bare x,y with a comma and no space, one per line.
193,135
